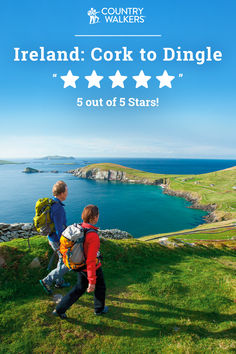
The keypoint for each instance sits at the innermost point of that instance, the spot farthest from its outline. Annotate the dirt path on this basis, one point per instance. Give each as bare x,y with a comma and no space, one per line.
193,232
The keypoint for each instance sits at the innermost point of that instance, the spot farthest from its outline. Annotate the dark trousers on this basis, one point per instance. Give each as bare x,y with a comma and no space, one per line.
80,288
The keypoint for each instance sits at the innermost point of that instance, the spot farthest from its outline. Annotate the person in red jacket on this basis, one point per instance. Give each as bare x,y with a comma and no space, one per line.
91,278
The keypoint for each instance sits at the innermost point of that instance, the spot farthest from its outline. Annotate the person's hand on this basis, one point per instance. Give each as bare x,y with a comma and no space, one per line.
91,288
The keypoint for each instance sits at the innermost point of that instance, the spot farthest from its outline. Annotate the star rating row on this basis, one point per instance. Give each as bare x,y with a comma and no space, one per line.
117,80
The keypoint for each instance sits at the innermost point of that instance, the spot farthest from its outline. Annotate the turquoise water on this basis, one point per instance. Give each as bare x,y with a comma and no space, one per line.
138,209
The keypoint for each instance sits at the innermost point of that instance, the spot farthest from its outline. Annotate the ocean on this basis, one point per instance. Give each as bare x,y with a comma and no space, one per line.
138,209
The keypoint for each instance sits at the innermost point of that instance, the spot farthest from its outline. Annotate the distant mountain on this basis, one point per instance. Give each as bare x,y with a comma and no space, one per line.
3,162
56,157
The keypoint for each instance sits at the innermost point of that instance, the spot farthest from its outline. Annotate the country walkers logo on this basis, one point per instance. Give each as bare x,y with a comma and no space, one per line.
93,18
116,15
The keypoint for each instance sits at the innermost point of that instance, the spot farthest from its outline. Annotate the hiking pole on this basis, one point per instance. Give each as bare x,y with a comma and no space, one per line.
28,241
51,260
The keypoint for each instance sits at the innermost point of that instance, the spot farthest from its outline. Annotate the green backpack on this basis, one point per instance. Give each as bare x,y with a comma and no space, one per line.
42,220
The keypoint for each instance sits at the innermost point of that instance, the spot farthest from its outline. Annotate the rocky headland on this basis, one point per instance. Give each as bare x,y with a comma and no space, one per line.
113,175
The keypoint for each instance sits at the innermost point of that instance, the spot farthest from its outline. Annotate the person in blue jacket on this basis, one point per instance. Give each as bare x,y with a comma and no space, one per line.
58,216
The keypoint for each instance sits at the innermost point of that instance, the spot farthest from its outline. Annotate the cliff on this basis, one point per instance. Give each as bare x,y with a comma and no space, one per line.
113,175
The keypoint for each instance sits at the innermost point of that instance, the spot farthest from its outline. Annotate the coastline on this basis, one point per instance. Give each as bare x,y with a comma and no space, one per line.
195,203
113,172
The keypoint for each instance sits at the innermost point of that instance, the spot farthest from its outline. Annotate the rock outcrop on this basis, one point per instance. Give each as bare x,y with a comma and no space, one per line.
30,170
164,241
9,232
35,263
98,174
114,234
112,175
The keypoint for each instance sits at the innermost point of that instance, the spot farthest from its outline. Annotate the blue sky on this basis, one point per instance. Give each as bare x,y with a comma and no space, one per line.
196,117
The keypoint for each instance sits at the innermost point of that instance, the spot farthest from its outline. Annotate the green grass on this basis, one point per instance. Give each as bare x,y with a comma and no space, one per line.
224,230
213,235
209,188
160,301
213,188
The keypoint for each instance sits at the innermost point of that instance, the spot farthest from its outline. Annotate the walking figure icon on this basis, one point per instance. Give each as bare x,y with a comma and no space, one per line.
93,16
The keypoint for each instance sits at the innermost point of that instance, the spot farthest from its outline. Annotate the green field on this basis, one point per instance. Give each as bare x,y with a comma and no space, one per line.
213,188
209,188
160,301
223,234
224,230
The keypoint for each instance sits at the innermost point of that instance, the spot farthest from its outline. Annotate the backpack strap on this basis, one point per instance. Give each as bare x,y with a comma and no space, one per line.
86,231
99,255
90,230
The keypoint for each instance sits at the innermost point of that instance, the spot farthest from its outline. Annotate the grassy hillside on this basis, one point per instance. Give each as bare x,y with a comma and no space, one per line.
213,188
130,172
210,188
160,300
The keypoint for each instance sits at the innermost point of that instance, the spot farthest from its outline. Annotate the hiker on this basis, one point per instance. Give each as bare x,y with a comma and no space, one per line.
58,216
91,278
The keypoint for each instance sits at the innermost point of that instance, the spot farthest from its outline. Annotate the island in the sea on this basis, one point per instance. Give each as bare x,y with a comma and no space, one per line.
31,170
57,157
5,162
